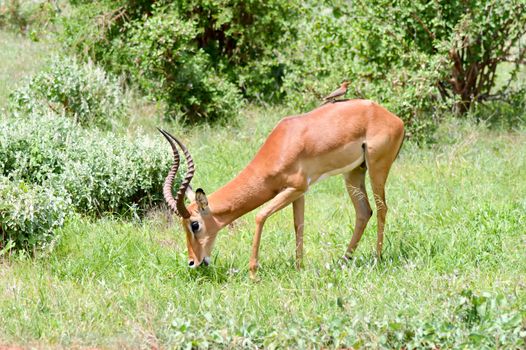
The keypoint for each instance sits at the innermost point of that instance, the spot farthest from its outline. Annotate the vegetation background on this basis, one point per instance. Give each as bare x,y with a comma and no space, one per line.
89,257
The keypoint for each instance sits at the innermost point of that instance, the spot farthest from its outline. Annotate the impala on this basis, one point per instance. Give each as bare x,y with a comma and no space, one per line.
345,137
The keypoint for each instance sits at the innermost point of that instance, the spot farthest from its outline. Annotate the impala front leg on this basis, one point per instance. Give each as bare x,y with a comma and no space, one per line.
298,207
283,199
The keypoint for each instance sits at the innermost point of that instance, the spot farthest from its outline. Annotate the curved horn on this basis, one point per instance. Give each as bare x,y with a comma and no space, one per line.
181,208
168,183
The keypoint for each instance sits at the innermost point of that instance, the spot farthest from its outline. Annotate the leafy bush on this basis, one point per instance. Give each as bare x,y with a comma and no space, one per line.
29,214
420,59
83,92
99,172
467,40
170,67
196,56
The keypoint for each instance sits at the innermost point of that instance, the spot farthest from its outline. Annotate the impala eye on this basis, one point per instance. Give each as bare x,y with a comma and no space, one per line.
195,226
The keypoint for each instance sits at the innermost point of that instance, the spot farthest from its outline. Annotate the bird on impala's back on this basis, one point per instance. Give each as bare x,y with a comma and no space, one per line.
336,93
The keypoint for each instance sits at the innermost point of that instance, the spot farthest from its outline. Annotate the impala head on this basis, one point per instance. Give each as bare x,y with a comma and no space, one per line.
198,223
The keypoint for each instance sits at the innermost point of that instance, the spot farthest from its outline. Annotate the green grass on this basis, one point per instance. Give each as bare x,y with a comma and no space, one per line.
453,272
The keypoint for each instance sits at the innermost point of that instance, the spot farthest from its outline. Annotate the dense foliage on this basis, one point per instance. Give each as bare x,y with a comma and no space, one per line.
420,59
29,214
200,58
98,172
55,167
204,59
465,41
82,92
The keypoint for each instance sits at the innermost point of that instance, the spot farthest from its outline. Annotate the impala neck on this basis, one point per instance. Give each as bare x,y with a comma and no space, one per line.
238,197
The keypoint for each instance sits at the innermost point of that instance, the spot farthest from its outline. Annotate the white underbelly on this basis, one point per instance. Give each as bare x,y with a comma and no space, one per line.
356,163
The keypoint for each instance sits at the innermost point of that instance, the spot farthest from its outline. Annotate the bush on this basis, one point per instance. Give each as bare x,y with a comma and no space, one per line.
99,172
171,68
198,57
29,214
420,59
82,92
467,41
505,114
329,50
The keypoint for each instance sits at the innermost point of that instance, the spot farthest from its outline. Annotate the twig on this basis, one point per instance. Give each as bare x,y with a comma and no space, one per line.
419,20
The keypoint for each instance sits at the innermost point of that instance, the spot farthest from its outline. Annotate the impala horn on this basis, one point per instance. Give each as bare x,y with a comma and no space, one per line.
177,205
167,187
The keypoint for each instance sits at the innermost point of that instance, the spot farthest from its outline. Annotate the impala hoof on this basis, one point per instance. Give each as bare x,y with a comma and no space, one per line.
253,270
347,258
254,277
345,261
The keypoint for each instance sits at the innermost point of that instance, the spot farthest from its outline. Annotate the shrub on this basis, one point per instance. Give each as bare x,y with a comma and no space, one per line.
198,57
328,51
171,68
99,172
29,214
83,92
467,40
420,59
507,113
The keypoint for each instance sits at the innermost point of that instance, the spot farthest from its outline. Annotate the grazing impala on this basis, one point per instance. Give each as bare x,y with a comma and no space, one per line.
346,137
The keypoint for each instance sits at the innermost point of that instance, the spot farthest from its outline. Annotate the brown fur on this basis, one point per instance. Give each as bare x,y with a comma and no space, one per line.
334,138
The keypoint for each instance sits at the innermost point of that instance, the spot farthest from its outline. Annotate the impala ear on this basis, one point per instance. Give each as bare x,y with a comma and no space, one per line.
190,194
200,199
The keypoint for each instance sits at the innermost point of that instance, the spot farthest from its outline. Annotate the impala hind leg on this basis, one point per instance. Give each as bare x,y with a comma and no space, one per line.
355,185
378,172
298,207
281,200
